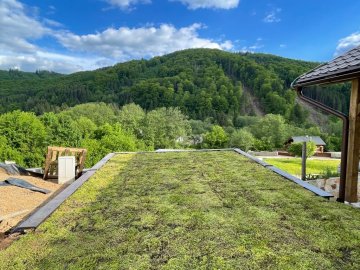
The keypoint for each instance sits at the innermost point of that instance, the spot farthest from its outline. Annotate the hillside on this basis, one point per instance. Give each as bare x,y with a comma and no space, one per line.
202,82
248,95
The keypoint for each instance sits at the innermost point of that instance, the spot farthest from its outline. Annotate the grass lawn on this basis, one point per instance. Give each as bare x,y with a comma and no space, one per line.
313,166
213,210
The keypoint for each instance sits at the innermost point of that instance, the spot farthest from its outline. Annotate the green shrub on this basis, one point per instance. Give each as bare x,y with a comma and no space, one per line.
61,130
296,149
242,139
8,153
26,135
263,145
216,138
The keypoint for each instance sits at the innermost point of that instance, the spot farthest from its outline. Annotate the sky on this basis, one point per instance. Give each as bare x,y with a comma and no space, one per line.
69,36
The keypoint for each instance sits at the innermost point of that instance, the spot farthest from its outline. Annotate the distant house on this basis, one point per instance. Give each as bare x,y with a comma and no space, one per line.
315,139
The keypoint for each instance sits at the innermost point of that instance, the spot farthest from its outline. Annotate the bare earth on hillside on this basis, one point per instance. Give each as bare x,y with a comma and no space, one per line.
15,199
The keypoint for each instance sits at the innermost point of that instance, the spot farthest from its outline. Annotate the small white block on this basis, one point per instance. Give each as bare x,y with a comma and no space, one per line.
66,169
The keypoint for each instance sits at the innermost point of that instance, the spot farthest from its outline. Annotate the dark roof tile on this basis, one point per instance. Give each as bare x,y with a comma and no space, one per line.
339,67
315,139
354,62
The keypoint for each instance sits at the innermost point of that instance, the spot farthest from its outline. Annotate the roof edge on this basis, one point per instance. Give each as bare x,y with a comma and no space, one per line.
329,79
340,69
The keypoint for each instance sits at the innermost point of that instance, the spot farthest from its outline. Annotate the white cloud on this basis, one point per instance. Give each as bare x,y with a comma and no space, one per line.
42,60
273,16
127,43
52,23
17,49
17,28
126,4
282,46
347,43
227,45
216,4
252,48
21,33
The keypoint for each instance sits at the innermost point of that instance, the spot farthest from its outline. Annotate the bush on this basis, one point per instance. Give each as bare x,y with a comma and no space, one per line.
8,153
271,129
263,145
199,127
242,139
216,138
296,149
131,117
99,113
61,130
163,126
95,151
108,138
26,135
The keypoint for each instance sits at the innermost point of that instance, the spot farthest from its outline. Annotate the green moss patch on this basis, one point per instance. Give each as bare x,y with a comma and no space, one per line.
203,210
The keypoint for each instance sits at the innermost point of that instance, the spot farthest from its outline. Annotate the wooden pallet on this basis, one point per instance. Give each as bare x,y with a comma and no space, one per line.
54,152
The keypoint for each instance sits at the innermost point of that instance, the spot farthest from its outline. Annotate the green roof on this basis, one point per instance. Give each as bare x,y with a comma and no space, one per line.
191,210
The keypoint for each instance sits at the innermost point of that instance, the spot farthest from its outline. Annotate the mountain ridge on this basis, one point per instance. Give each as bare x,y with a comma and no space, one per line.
203,83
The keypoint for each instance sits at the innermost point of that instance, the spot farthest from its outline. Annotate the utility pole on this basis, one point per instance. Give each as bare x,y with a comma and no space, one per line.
303,164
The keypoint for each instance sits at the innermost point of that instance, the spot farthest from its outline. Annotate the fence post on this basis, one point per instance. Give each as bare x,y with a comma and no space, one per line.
303,164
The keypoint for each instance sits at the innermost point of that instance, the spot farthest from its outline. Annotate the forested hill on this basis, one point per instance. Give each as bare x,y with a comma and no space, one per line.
203,83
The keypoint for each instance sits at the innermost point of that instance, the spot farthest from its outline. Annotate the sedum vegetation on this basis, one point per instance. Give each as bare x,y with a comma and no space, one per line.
191,210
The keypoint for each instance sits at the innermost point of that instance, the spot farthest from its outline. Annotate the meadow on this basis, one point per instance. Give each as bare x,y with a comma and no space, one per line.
313,166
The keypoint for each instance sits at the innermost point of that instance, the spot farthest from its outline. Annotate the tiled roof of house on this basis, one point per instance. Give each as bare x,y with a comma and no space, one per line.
342,68
315,139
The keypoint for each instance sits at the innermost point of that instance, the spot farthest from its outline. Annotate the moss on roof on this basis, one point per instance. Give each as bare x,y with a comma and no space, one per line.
203,210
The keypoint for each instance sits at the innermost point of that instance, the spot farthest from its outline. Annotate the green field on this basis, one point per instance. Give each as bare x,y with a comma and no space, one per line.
313,166
191,210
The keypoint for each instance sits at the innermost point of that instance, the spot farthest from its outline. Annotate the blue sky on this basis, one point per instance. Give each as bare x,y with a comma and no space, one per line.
68,36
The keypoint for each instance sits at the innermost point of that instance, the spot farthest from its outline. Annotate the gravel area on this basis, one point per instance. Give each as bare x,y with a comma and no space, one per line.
19,200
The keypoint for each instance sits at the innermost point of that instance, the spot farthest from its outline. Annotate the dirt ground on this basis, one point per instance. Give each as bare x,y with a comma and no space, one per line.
20,200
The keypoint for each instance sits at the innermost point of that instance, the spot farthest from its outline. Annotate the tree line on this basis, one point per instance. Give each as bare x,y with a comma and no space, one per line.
103,128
